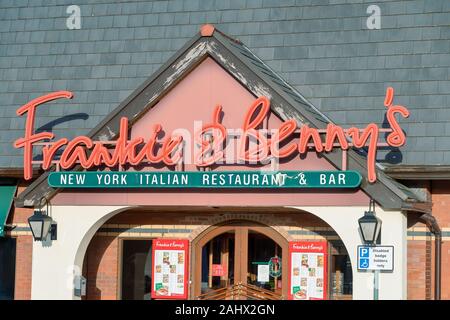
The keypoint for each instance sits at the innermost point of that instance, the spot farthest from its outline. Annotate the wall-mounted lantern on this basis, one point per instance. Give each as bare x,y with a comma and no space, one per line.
41,224
370,225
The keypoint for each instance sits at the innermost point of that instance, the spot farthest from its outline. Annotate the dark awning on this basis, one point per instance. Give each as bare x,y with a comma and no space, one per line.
7,193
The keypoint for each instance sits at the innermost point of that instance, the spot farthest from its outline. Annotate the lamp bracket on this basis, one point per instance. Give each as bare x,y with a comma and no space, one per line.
371,207
53,231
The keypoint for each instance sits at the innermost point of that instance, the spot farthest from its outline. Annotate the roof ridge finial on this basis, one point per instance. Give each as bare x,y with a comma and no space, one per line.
207,30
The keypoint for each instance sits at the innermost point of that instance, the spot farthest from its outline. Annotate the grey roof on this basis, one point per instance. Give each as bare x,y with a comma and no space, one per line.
322,48
259,79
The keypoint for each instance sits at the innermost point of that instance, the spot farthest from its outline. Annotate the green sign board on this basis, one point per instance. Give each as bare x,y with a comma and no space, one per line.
205,179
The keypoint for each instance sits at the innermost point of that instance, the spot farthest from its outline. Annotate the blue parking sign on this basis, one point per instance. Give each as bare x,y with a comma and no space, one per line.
364,252
363,258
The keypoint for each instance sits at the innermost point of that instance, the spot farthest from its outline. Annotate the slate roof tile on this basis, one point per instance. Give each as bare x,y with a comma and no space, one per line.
322,48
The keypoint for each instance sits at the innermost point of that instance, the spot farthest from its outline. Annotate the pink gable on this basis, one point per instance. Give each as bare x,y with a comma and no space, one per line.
193,100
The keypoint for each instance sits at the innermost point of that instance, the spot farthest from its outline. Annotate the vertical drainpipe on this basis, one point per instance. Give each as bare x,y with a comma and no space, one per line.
432,224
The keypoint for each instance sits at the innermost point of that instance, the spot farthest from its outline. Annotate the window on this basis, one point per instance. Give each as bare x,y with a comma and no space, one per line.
136,269
341,277
7,268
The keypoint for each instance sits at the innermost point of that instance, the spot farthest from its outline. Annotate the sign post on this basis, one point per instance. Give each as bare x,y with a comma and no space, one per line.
375,284
376,259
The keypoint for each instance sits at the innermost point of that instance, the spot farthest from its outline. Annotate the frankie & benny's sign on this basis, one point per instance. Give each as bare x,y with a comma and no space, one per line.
255,145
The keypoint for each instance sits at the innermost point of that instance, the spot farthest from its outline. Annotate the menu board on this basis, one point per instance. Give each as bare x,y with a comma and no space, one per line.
307,270
170,269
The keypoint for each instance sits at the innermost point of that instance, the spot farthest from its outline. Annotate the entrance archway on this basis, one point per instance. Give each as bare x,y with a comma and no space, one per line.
63,261
231,246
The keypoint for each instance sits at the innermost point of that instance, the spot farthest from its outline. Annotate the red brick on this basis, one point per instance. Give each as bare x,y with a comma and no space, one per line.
23,268
101,268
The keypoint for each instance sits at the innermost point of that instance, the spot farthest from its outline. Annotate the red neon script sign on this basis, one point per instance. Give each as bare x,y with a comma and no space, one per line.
136,151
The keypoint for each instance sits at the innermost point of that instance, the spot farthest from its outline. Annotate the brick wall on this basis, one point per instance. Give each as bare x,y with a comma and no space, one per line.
418,270
445,270
421,249
24,253
441,210
24,250
101,265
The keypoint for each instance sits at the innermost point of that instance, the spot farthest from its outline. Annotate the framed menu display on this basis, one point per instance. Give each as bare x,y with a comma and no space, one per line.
170,261
307,270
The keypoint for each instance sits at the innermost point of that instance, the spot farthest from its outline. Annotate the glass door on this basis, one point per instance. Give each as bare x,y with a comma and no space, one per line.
264,262
218,262
239,254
